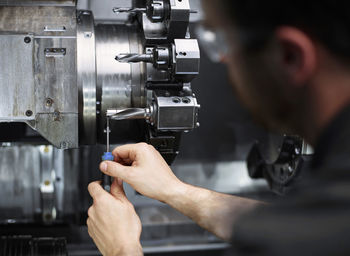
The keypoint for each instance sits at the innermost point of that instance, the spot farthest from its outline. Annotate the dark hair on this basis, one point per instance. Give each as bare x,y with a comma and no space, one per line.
327,21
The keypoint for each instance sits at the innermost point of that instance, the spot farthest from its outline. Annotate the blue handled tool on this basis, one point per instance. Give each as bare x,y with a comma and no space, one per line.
107,156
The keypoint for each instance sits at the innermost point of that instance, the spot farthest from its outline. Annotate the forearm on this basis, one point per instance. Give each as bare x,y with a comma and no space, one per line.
213,211
129,251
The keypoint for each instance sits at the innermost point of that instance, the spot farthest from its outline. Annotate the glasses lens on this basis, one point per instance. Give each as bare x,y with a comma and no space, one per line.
212,42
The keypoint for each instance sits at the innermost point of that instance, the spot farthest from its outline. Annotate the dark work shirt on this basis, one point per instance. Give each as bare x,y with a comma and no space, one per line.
315,220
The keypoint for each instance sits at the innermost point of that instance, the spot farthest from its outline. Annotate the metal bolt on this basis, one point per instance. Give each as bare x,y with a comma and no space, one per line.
290,169
56,115
48,102
29,113
87,34
46,149
64,145
27,39
176,100
186,100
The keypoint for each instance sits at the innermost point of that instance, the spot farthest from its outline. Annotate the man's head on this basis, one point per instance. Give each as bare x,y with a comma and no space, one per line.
288,59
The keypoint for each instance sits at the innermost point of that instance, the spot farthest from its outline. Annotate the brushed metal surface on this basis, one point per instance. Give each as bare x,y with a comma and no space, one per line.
17,78
119,85
24,171
38,89
86,68
38,2
20,19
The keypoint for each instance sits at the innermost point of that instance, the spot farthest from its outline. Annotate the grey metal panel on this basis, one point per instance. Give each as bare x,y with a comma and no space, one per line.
19,182
55,77
38,2
30,79
61,131
16,78
24,171
20,19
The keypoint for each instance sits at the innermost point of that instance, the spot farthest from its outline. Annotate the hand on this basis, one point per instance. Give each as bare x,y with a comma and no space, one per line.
113,223
141,166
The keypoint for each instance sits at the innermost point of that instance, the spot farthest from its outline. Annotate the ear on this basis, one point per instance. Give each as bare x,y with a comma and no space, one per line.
298,54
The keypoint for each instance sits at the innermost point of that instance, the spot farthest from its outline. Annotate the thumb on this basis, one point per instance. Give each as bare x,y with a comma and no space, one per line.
114,169
117,189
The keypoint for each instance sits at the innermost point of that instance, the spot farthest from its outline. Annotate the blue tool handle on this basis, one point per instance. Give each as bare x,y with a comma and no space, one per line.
106,180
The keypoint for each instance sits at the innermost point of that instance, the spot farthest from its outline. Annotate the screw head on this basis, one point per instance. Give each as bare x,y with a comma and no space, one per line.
29,113
176,100
186,100
27,39
64,145
48,102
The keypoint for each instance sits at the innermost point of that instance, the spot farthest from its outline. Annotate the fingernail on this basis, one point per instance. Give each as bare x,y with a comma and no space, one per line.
103,167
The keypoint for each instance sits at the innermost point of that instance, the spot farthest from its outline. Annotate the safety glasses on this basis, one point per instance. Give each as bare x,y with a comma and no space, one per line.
213,42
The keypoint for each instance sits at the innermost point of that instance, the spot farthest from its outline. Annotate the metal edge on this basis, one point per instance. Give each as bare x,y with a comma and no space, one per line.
86,79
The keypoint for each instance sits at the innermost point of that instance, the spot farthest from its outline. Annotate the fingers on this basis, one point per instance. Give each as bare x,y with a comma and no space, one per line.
95,189
117,189
115,170
130,152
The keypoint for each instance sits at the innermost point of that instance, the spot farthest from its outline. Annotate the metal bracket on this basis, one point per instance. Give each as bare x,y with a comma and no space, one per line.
55,52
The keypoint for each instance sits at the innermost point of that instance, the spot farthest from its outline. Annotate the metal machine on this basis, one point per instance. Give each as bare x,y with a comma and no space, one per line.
62,74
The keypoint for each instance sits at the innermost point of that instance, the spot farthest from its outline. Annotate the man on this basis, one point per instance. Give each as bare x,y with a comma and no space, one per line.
290,65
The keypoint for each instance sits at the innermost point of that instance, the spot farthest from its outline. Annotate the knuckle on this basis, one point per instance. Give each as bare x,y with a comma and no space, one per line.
151,147
143,146
90,211
91,187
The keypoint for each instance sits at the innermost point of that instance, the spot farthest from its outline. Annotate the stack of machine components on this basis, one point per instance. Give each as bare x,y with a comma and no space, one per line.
60,72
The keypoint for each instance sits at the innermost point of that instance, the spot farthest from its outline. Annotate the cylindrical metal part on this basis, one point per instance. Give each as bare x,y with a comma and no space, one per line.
129,114
86,68
119,85
135,58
